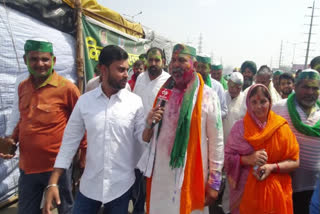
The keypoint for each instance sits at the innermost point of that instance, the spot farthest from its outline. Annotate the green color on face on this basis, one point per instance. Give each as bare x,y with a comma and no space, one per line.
34,73
154,58
203,67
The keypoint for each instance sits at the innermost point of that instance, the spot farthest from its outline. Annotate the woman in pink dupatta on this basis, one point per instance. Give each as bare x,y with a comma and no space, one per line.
237,174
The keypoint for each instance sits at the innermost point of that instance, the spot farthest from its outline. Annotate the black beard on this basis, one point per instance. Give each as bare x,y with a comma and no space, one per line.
154,71
246,83
114,84
286,93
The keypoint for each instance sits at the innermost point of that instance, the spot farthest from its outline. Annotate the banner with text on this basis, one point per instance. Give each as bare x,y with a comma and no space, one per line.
96,36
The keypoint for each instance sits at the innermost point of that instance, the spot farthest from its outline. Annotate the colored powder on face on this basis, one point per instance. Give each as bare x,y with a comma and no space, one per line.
258,97
152,57
312,83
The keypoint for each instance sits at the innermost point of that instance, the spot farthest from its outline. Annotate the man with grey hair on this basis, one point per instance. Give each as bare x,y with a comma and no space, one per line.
264,76
302,111
234,99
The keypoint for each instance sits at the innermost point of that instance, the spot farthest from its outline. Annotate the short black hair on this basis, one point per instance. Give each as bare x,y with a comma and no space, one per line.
138,63
143,56
287,76
163,55
112,53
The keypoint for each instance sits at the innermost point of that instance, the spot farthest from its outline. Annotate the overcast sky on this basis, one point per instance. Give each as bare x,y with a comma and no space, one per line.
232,30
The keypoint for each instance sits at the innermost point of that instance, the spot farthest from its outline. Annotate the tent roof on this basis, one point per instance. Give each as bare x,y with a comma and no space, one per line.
109,17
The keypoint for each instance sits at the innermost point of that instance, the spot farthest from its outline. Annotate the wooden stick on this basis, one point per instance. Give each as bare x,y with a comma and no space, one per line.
80,55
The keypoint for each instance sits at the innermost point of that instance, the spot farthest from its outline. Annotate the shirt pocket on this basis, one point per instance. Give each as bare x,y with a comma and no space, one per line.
122,119
47,114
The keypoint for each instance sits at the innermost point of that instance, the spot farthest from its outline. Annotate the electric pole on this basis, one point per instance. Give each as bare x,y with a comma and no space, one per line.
309,38
280,58
200,44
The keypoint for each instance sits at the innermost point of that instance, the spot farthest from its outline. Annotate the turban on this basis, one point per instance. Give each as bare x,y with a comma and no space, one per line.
315,63
249,64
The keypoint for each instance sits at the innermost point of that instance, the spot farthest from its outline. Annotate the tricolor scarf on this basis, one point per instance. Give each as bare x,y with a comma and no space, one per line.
224,83
188,141
208,81
183,128
313,131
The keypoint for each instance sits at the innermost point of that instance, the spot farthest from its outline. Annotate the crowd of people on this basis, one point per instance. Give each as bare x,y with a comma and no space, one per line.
184,139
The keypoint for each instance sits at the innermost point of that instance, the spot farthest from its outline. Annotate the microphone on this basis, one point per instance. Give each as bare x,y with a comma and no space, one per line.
164,96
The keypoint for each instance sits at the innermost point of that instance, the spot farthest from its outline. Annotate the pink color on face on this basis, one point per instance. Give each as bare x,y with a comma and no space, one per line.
181,68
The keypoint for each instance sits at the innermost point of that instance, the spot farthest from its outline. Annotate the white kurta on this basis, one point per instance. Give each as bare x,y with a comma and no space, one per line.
165,192
148,89
234,113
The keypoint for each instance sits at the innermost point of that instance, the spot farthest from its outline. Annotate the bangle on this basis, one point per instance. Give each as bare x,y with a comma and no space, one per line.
278,168
51,185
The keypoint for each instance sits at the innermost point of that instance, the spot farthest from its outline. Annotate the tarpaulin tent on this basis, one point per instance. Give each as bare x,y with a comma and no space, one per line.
55,21
14,32
109,17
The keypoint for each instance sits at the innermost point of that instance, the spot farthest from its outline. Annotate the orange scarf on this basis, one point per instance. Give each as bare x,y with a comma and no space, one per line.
274,194
192,192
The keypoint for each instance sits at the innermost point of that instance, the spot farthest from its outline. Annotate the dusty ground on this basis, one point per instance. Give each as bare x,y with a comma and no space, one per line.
13,209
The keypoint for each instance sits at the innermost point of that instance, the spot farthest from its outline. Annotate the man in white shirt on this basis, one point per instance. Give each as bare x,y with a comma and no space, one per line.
149,82
114,121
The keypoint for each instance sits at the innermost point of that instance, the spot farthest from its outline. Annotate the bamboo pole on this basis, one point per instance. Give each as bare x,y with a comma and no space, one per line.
80,56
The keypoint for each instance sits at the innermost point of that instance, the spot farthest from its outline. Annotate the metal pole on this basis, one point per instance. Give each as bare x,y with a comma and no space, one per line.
294,52
280,59
309,39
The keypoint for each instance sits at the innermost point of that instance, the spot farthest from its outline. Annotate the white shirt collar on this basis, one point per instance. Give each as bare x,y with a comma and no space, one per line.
120,94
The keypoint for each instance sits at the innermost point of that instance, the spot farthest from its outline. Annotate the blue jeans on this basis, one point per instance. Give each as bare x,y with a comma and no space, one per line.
84,205
315,200
31,187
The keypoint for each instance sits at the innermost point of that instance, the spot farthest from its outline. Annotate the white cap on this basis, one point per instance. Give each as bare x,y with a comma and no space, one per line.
237,78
